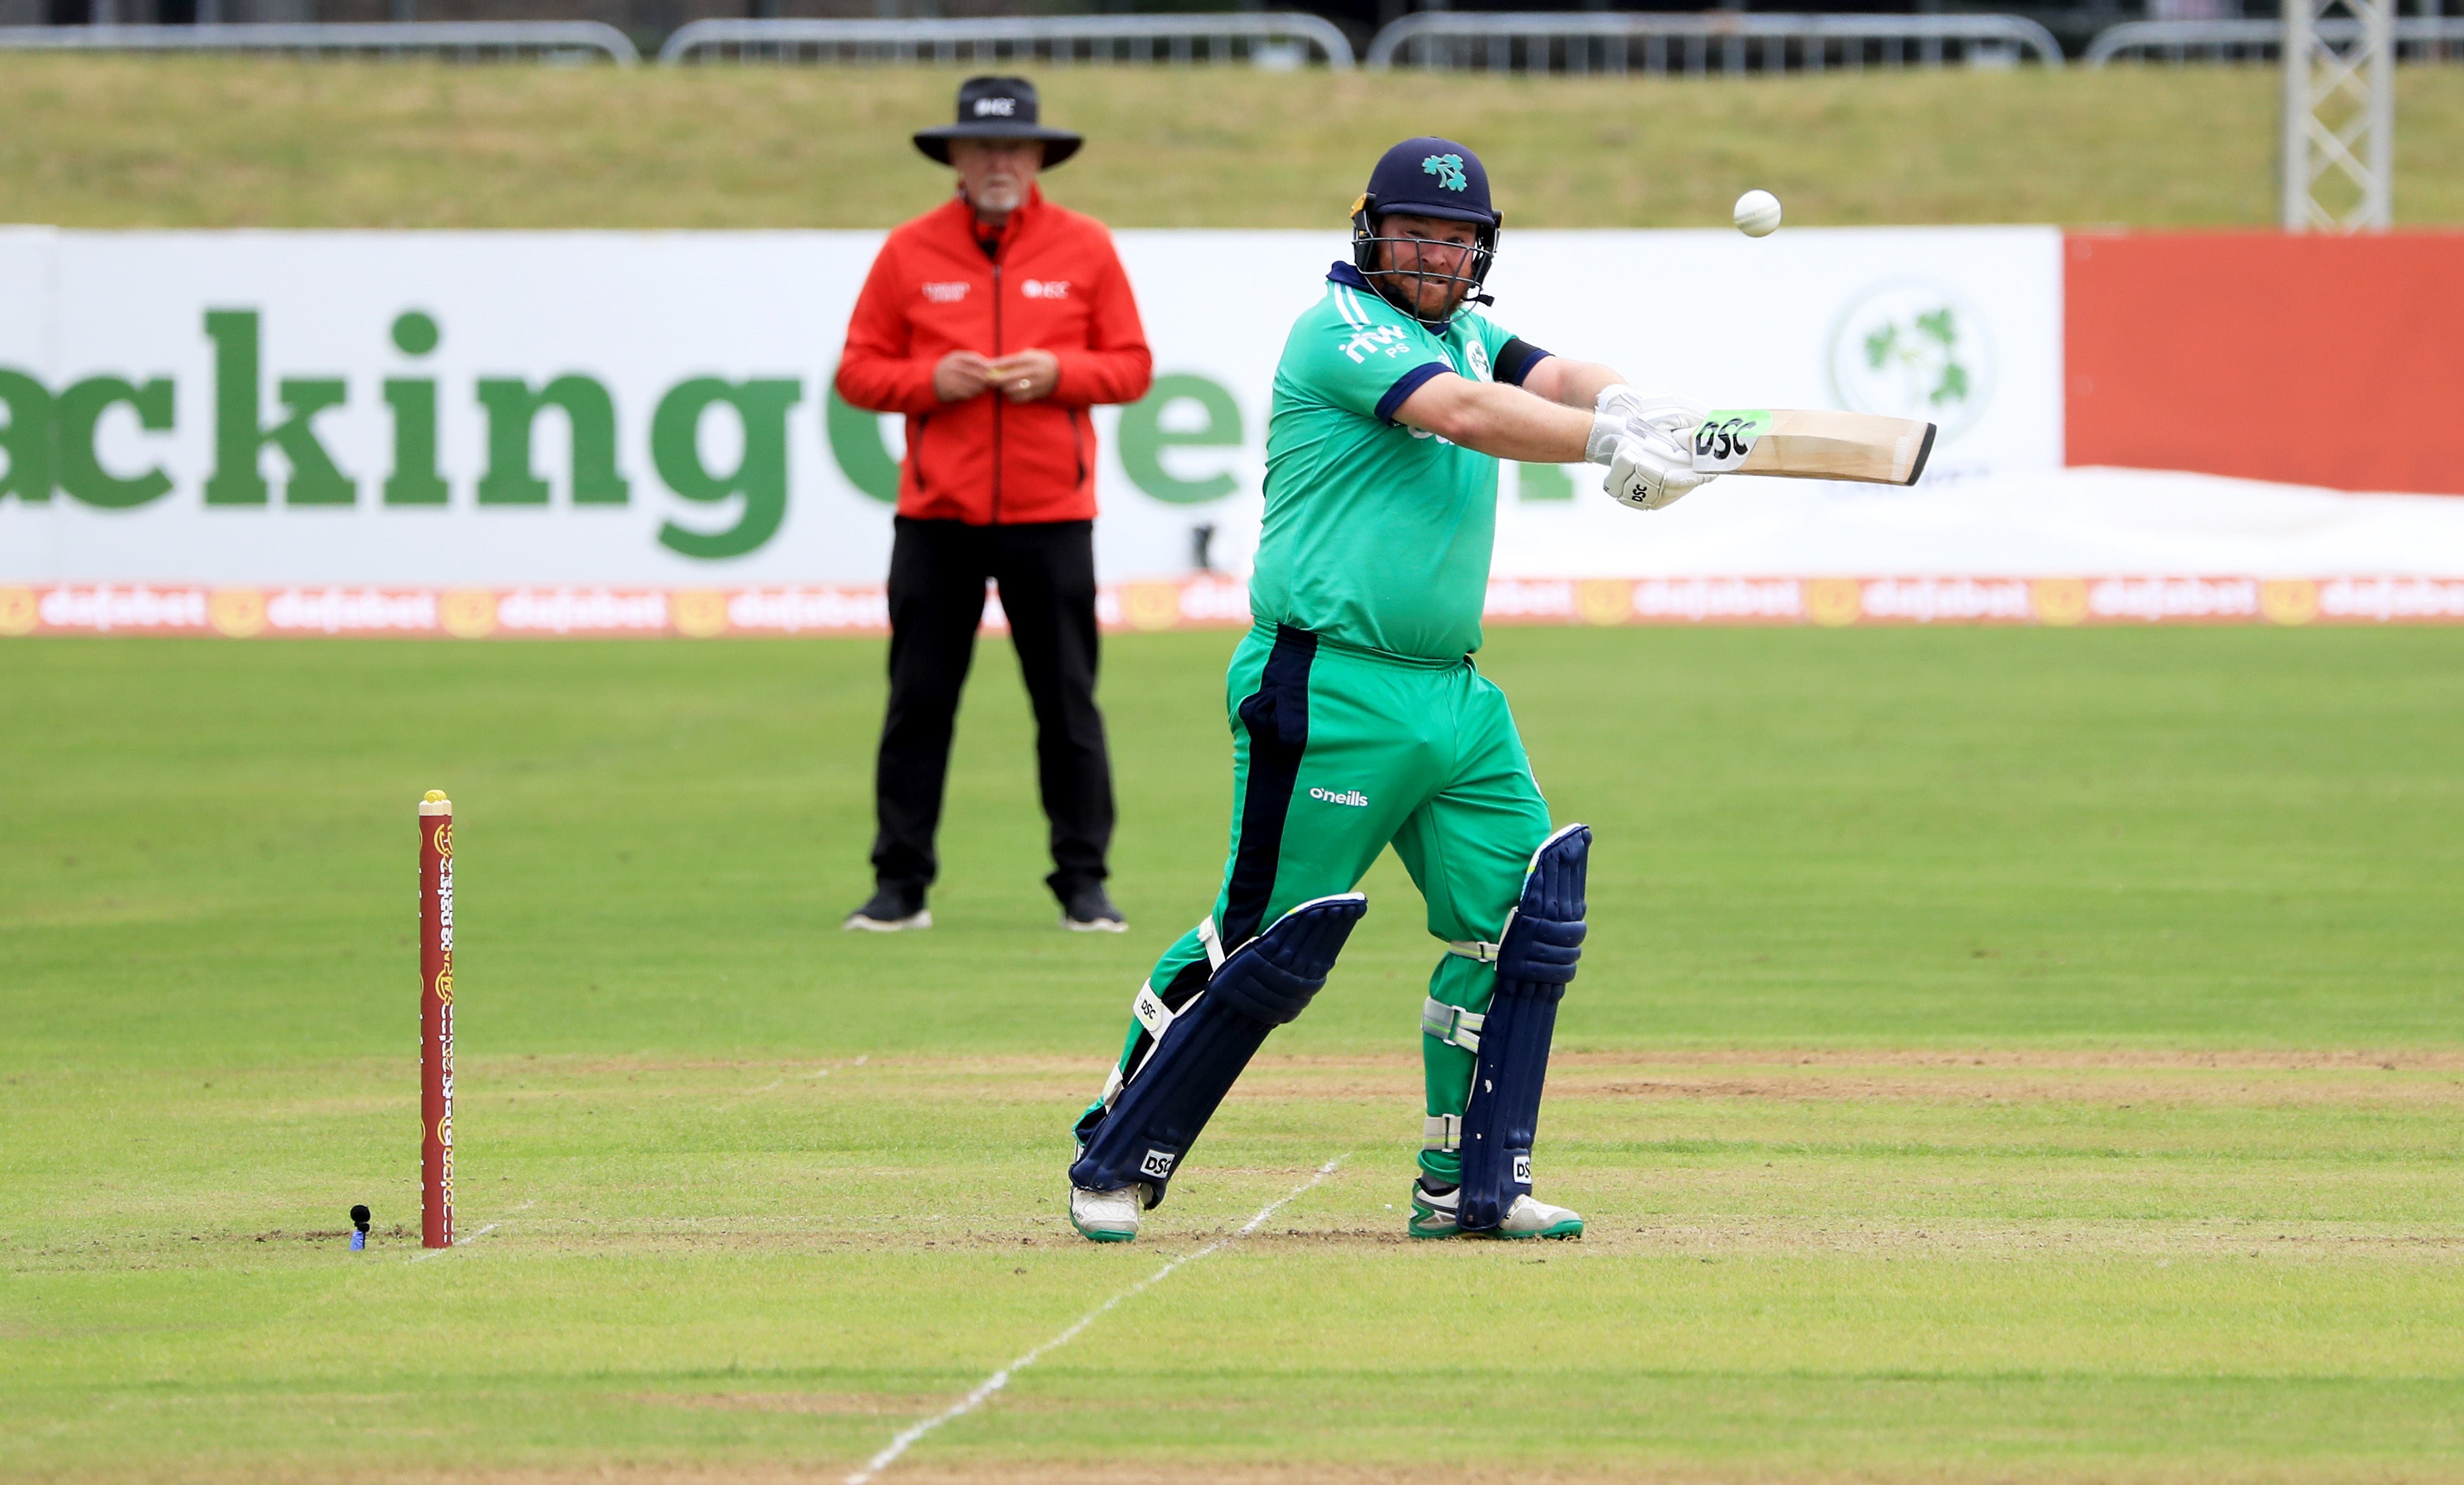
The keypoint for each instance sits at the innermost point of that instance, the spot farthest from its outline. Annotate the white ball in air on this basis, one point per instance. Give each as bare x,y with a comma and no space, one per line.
1757,213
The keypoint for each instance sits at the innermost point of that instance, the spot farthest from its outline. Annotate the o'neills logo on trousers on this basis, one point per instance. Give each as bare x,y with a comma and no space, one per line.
1352,797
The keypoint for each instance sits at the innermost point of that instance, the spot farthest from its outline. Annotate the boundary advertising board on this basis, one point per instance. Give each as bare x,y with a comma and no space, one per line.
499,410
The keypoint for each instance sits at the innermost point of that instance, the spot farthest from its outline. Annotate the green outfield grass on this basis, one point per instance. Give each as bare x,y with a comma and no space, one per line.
2000,1055
154,142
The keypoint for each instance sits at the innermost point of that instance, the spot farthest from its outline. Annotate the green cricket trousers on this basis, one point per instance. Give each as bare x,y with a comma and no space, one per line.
1338,752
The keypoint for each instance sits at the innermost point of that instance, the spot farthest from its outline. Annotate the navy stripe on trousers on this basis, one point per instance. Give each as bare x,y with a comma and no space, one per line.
1276,718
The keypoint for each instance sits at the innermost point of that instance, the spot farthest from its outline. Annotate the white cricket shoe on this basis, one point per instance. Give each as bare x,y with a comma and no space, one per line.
1108,1217
1434,1214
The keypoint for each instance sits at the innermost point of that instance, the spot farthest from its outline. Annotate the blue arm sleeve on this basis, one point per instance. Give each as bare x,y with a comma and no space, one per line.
1406,384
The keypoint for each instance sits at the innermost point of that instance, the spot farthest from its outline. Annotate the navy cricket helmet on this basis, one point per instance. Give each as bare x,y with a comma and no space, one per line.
1426,176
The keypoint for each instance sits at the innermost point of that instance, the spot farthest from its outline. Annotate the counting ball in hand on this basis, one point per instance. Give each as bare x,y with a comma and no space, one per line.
1757,213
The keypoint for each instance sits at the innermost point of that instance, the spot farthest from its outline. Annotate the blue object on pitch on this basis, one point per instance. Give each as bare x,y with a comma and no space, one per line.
359,1228
1259,986
1535,962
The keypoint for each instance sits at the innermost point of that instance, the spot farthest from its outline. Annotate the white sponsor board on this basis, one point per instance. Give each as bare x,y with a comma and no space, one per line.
256,408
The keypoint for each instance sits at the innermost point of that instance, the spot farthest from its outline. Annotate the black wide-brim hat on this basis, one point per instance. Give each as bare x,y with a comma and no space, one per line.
998,108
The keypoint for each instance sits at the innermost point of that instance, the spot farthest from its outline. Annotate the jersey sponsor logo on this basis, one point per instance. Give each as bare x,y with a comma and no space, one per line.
1158,1163
946,293
1044,288
1369,341
996,107
1476,355
1449,170
1352,797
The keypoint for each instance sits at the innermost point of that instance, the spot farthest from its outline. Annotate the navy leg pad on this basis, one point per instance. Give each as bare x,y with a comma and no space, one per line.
1535,962
1259,986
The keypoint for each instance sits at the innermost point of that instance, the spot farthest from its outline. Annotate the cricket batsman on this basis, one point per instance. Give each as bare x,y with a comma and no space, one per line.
1358,720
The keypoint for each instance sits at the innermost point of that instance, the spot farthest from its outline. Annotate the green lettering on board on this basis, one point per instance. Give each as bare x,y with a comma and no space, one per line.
26,441
590,420
855,442
80,471
1542,482
1144,437
760,477
415,480
240,435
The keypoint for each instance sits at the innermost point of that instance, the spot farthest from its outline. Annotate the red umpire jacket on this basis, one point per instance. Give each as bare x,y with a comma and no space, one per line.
1052,282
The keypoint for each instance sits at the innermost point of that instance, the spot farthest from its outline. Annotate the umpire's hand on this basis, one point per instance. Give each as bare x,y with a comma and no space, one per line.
1025,375
961,376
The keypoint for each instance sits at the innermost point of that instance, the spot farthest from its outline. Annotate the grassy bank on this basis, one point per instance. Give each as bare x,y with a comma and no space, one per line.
106,142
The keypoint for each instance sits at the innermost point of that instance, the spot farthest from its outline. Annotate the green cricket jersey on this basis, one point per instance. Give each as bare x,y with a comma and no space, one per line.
1377,535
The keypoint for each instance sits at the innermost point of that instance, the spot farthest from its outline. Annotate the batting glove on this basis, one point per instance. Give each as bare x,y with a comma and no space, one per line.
1674,416
1649,470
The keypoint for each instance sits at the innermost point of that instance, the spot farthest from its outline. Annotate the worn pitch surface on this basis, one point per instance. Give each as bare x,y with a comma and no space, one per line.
2001,1056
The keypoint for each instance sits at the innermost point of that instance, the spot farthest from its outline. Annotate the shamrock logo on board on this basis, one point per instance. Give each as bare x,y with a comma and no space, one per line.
1914,348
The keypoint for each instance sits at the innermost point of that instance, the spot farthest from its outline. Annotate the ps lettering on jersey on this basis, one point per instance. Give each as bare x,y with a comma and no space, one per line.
946,293
1361,344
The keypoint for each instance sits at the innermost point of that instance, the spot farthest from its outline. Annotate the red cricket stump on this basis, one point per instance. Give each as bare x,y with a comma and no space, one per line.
436,1020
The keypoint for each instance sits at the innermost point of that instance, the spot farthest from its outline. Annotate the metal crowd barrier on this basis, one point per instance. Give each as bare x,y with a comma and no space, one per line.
2418,38
1264,38
1728,41
454,41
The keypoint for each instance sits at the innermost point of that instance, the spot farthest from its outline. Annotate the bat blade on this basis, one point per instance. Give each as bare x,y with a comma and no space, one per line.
1814,444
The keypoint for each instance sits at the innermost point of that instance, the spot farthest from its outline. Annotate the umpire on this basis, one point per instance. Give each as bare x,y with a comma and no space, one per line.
994,323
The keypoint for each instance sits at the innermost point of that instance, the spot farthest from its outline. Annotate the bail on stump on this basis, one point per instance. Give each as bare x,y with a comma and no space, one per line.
436,1020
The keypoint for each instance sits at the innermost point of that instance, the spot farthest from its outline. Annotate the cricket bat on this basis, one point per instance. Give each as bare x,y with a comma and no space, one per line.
1814,445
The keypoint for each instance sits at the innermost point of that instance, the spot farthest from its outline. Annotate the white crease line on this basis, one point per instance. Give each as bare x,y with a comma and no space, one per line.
908,1437
438,1253
778,1082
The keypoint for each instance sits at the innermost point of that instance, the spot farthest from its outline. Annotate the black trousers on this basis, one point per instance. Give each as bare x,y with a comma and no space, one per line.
1046,574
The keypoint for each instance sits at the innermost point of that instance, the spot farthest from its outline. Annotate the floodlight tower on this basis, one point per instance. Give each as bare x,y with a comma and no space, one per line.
2339,114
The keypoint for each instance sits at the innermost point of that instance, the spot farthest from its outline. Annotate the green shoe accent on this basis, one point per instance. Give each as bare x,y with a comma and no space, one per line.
1429,1222
1104,1237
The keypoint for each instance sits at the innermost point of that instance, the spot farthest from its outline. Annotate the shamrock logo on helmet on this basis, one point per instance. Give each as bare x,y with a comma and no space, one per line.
1449,170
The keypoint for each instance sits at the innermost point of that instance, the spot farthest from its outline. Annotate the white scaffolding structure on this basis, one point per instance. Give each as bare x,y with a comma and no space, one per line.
2339,145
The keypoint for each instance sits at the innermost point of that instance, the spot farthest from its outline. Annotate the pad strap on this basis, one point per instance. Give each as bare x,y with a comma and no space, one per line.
1151,1010
1452,1025
1473,949
1212,942
1442,1133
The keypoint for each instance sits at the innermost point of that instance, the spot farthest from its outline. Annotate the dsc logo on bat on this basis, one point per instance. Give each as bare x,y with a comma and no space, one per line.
1724,439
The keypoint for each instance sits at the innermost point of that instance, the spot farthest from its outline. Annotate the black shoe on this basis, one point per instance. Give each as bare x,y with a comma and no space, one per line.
891,910
1087,910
